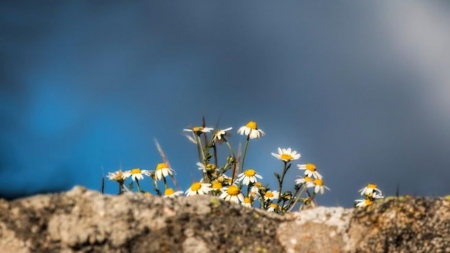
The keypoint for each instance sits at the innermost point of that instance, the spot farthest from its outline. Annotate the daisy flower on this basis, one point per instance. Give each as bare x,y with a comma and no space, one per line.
254,190
248,176
216,186
116,176
170,193
232,194
247,202
310,170
199,130
319,187
162,170
306,180
376,195
370,189
286,155
136,174
198,188
363,202
271,195
219,135
272,207
251,130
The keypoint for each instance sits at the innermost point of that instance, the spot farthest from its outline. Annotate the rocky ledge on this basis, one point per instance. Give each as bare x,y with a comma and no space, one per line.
86,221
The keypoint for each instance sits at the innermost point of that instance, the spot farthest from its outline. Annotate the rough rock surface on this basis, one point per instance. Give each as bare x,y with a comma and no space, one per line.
86,221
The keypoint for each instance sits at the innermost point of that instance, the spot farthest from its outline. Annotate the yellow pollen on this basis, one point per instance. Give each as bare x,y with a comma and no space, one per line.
250,173
169,191
373,186
247,200
308,179
268,195
318,182
136,171
252,125
196,186
311,167
233,190
285,157
368,202
216,186
258,184
161,166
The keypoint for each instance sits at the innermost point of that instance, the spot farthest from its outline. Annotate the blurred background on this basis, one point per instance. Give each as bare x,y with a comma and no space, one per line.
361,89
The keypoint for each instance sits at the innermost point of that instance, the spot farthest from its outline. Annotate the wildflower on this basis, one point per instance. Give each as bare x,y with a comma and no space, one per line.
248,176
319,187
216,186
136,174
219,135
232,194
247,202
363,202
370,189
198,188
286,155
310,170
116,176
199,130
254,190
376,195
170,193
147,194
272,207
306,180
208,167
271,195
251,130
162,170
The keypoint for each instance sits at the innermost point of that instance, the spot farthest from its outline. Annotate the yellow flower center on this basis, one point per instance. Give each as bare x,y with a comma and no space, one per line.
368,202
273,205
247,200
161,166
233,190
285,157
135,171
308,179
169,191
210,166
258,184
147,194
268,195
318,182
372,186
252,125
216,186
311,167
250,173
196,186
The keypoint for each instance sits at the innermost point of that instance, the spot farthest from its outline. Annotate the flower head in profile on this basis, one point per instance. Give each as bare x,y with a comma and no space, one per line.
247,202
271,195
162,170
232,194
286,155
198,188
209,167
198,130
217,187
370,190
136,174
273,207
219,135
170,193
363,202
308,181
254,190
251,130
248,176
310,170
319,187
116,176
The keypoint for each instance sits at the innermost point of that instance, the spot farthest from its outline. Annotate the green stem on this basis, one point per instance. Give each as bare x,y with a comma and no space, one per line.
280,183
138,186
245,152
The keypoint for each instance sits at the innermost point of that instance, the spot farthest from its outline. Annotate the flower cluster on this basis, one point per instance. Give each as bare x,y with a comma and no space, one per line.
371,193
231,179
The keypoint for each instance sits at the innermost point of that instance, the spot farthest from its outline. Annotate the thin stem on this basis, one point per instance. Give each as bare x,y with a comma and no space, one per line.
137,183
280,183
297,198
245,152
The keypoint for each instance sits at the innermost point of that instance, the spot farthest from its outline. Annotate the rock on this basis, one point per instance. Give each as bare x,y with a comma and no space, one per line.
86,221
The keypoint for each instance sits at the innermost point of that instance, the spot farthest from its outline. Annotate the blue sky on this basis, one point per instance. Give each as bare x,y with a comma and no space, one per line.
361,90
